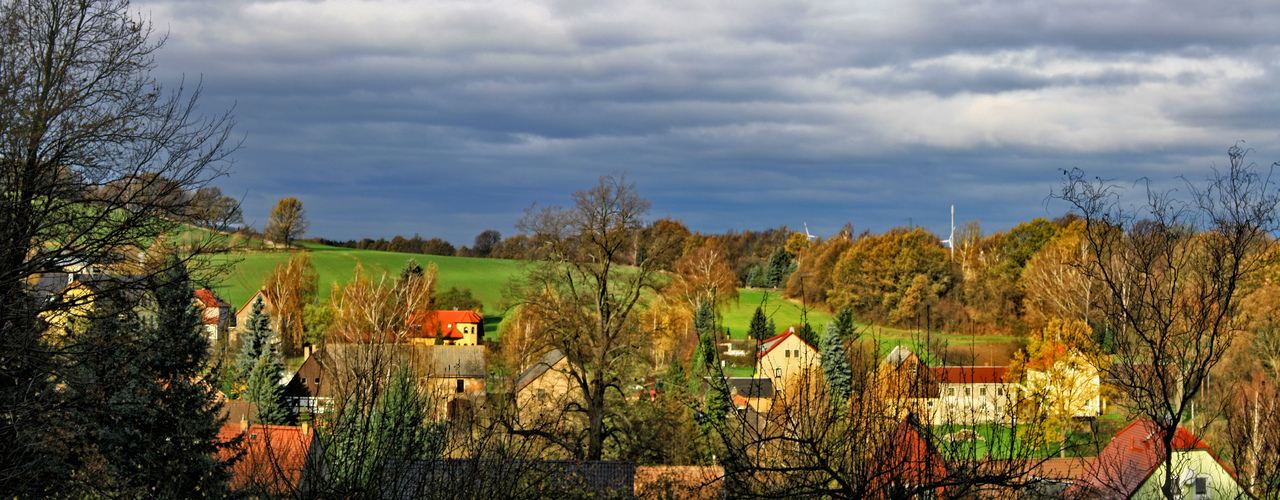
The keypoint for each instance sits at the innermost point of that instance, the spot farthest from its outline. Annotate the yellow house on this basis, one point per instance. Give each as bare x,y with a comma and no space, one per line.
1069,382
463,328
786,358
541,391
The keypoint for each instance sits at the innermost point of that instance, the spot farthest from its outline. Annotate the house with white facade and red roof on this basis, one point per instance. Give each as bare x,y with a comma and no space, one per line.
216,315
973,395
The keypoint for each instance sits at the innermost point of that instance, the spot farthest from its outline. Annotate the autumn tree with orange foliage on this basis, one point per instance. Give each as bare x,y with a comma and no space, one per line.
291,286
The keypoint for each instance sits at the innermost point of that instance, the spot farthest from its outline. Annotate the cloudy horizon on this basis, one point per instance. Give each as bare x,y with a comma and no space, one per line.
446,118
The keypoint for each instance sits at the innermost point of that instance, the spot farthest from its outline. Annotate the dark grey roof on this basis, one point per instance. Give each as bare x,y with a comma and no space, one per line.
751,387
541,366
454,361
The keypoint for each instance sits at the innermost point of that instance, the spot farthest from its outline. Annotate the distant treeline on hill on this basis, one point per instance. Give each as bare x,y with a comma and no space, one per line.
488,244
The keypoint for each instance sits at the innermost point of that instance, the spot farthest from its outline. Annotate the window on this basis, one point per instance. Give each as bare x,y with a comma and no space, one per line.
459,385
968,391
982,391
999,391
1202,488
542,394
951,391
777,372
787,353
797,353
929,404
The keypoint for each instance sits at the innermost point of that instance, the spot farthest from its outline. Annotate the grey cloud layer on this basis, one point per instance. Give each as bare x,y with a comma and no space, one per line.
445,118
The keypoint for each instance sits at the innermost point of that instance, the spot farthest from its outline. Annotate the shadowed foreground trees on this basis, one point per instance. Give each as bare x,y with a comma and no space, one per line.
96,161
1171,271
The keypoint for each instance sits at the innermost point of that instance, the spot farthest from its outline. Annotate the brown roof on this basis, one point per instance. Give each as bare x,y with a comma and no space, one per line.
970,374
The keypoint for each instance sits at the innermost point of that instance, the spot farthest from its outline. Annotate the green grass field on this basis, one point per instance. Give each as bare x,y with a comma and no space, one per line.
485,277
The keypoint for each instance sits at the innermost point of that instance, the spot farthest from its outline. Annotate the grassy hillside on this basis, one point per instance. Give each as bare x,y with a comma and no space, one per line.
485,277
990,349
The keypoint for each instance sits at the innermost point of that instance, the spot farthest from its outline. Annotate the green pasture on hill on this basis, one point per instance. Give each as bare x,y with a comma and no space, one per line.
485,277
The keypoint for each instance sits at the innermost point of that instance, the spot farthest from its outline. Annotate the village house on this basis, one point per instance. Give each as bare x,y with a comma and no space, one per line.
1132,466
277,461
455,328
906,384
242,316
787,358
970,395
216,316
540,389
1067,379
454,376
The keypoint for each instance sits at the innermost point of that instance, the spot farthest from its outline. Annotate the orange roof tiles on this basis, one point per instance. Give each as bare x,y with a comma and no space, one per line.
427,323
275,459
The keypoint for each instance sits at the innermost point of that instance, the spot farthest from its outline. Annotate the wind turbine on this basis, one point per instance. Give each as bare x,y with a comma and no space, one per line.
806,232
950,241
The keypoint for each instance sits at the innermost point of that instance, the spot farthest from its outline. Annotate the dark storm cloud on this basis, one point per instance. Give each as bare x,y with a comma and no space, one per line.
446,118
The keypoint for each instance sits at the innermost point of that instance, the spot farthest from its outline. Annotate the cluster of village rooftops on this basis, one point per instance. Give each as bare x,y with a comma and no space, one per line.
448,345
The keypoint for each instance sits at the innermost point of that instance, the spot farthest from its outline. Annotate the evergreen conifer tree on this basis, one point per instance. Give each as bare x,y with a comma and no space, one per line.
759,329
255,338
154,422
778,268
704,319
264,389
835,365
772,327
844,324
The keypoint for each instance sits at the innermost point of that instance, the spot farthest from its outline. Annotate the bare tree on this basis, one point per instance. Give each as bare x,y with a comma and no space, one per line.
587,302
1170,272
95,156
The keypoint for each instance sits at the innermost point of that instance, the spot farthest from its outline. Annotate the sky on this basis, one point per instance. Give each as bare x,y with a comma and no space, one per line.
446,118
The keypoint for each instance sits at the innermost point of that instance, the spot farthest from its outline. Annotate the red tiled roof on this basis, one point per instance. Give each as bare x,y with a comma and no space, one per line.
907,458
770,343
1129,459
209,299
970,374
274,457
427,323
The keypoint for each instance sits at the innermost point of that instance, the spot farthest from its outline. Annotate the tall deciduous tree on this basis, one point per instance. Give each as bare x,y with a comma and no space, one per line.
485,242
1171,272
287,222
586,302
83,117
291,287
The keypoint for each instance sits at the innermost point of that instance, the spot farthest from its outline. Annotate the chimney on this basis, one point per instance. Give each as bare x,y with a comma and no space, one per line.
306,427
306,352
244,423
